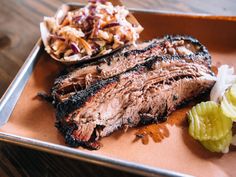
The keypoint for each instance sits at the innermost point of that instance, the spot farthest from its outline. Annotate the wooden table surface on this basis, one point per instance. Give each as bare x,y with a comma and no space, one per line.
19,30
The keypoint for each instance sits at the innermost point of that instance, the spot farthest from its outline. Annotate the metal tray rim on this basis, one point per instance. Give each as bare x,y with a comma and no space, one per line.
27,69
13,92
173,13
87,157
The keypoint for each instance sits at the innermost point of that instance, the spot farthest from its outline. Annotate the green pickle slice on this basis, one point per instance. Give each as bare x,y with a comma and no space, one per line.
206,122
232,92
228,105
221,145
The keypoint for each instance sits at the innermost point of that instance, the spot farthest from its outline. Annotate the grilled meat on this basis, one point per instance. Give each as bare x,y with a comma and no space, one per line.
129,57
146,91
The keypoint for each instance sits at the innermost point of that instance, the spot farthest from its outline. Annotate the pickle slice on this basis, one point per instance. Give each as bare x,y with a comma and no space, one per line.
206,122
221,145
232,92
228,106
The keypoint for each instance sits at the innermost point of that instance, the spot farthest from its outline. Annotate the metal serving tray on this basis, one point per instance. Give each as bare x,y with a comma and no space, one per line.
10,98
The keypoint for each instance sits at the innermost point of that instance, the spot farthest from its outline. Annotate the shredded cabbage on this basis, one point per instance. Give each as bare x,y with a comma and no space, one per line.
225,78
95,29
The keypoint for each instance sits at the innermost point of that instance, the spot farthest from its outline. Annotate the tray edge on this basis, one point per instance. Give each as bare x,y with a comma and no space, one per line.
13,92
27,69
90,158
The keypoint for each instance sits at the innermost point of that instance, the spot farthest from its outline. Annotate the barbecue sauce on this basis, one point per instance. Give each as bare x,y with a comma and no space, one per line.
159,131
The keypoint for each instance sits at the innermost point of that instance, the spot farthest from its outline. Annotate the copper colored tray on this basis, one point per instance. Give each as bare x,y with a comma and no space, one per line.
31,121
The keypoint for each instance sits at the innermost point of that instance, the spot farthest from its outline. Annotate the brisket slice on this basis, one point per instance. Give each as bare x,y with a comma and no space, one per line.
144,94
184,47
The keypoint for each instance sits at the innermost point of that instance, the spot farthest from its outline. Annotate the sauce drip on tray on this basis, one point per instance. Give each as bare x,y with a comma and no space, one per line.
159,131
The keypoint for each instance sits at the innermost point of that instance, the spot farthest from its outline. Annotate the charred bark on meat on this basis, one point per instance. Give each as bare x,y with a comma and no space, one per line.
128,58
88,112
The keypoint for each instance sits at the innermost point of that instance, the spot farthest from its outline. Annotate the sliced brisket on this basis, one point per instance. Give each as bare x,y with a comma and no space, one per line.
129,57
141,93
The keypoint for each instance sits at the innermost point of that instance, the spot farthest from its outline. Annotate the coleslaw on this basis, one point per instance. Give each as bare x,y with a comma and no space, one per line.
96,29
